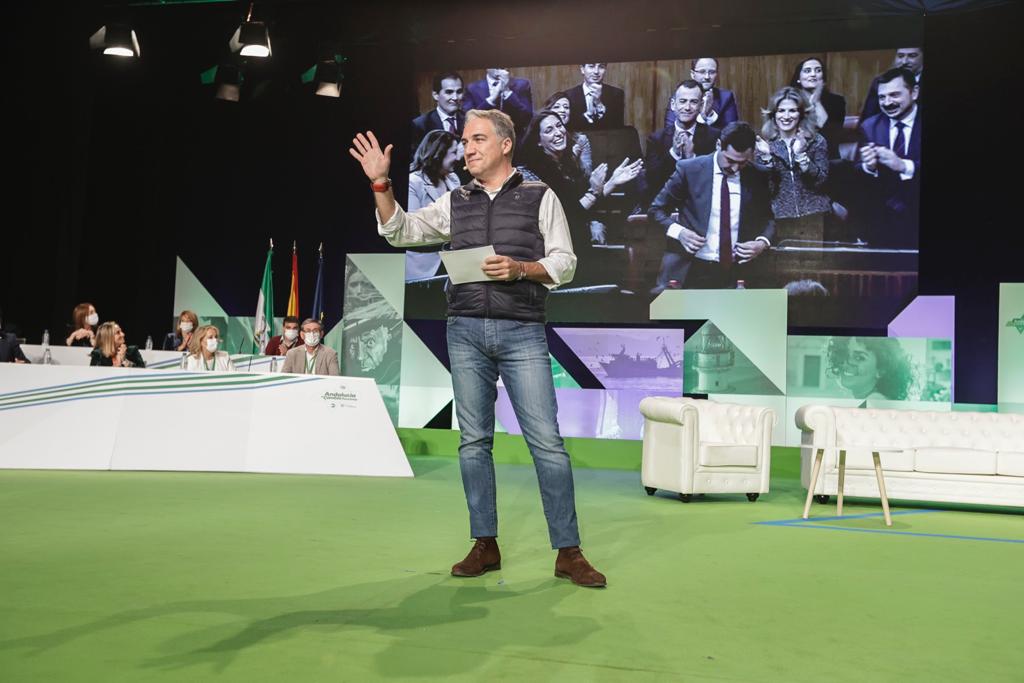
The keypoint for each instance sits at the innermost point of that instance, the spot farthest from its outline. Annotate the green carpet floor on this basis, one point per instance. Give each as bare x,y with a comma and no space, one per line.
114,576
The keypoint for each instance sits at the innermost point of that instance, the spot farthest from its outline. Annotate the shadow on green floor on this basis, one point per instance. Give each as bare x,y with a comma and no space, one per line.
447,608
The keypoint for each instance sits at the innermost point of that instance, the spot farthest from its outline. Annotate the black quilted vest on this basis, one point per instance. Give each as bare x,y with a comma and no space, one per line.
510,223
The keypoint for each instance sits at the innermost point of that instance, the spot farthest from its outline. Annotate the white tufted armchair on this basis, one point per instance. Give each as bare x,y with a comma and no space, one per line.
697,446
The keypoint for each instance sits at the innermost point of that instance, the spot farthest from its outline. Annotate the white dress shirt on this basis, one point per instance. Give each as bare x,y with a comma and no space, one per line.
908,123
595,107
444,120
709,252
432,225
683,129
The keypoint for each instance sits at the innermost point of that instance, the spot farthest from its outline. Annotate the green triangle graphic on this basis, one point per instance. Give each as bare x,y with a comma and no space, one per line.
561,376
386,272
189,293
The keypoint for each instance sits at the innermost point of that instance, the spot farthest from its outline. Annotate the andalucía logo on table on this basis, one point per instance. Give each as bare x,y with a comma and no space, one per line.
1018,323
346,399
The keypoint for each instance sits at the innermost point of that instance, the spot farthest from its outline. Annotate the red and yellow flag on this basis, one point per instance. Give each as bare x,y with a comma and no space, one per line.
293,291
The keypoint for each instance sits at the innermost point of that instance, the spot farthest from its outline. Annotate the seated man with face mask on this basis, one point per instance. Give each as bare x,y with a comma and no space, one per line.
312,358
205,355
287,340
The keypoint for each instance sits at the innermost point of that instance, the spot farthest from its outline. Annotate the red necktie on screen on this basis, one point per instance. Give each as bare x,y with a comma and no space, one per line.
899,144
725,227
451,125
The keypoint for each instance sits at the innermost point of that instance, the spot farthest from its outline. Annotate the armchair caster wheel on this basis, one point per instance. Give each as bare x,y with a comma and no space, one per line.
752,497
650,490
822,498
686,497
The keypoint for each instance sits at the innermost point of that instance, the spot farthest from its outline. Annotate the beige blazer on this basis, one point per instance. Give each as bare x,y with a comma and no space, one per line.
326,361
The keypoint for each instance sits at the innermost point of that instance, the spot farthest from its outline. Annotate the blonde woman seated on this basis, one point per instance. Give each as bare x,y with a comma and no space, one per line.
205,355
111,351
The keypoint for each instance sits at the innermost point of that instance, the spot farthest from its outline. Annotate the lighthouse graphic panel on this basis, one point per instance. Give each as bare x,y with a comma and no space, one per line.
714,364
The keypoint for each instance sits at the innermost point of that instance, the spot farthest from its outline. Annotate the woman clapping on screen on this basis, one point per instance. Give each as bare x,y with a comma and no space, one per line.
795,156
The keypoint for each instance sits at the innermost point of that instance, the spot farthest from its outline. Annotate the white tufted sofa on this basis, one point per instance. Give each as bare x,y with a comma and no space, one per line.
953,457
698,446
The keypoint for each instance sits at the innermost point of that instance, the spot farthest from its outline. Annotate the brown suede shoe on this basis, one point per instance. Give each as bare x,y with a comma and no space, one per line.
483,557
571,565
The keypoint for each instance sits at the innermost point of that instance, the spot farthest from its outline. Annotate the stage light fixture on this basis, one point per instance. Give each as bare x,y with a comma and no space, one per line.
227,78
327,76
118,40
251,39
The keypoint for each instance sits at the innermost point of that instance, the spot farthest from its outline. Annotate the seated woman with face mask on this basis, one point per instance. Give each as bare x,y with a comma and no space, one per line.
182,335
111,351
205,355
85,320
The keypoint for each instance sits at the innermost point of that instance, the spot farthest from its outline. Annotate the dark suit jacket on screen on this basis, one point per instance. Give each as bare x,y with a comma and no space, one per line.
614,100
896,202
428,121
659,162
689,191
518,105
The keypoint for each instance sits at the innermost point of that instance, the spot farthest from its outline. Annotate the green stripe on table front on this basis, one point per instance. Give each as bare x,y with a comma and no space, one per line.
95,392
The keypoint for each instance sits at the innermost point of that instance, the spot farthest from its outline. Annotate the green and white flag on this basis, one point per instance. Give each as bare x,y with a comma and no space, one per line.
264,307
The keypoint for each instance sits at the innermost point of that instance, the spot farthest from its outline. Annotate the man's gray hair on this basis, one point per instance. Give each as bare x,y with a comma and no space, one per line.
500,120
315,322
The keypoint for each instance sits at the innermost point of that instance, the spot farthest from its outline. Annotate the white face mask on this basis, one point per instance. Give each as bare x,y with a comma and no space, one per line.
92,319
290,335
211,345
186,327
312,338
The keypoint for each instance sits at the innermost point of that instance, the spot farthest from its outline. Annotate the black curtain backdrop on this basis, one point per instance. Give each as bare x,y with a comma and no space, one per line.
115,168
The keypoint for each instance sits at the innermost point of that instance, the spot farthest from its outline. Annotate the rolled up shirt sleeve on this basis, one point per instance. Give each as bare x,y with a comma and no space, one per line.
559,259
430,225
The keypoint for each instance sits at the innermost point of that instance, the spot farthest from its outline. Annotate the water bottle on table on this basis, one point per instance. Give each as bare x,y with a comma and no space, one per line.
47,356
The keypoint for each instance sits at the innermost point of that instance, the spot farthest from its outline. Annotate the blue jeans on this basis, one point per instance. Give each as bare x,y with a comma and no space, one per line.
480,350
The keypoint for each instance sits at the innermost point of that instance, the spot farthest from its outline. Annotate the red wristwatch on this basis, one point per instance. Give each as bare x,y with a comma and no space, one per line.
381,187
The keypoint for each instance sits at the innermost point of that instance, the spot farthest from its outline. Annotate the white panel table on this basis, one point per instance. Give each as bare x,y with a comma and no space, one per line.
74,417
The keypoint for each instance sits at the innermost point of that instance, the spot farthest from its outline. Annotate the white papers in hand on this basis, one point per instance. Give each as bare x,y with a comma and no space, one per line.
466,265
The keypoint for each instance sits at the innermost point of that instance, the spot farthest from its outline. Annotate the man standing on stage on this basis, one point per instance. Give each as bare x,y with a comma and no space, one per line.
496,327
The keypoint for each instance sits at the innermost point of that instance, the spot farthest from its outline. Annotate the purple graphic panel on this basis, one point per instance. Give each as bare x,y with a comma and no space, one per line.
926,316
929,316
594,413
641,359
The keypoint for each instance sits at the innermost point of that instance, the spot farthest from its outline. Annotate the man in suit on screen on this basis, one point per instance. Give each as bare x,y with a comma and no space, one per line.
718,107
685,138
890,155
725,221
499,90
911,58
448,92
593,104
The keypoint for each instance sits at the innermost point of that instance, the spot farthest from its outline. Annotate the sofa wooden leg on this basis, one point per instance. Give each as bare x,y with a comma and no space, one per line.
814,480
881,488
842,481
